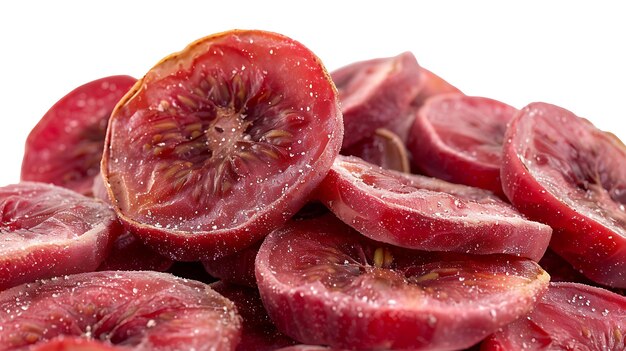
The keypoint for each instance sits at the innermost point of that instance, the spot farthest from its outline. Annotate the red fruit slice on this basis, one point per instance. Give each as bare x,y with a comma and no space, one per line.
237,268
559,169
432,85
65,147
323,283
138,310
375,92
426,213
459,138
48,231
75,344
221,143
383,148
568,317
258,332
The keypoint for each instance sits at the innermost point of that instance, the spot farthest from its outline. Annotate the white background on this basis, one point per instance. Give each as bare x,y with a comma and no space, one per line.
564,52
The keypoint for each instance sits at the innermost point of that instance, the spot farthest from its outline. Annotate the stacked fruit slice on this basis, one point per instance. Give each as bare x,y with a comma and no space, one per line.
242,156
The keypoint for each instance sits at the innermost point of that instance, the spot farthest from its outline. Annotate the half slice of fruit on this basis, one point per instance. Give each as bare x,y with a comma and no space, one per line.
221,143
65,147
568,316
560,170
323,283
139,311
427,213
47,230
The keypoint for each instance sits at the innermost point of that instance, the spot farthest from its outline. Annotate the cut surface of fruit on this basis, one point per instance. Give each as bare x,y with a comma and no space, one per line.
432,85
375,92
75,344
426,213
458,138
258,331
568,316
559,169
46,231
384,148
323,283
145,311
221,143
65,147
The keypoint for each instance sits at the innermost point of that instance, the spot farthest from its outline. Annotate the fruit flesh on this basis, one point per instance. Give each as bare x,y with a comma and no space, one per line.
458,138
323,283
569,316
136,310
426,213
384,148
47,230
560,170
65,147
232,134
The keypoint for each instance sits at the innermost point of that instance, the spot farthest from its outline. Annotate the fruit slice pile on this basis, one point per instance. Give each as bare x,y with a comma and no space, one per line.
222,166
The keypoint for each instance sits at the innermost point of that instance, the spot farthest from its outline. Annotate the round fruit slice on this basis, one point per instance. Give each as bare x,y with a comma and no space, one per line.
384,148
568,316
221,143
375,92
258,332
323,283
559,169
458,138
426,213
48,231
145,311
65,147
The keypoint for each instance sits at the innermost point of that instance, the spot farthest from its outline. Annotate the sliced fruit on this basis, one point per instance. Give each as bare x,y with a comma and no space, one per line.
75,344
568,316
459,138
559,169
129,254
140,310
375,92
426,213
237,268
324,283
221,143
65,147
383,148
48,231
258,332
432,85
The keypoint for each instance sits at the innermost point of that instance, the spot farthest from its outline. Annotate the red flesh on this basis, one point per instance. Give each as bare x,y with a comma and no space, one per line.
145,311
323,283
65,147
458,138
48,231
271,103
560,170
427,213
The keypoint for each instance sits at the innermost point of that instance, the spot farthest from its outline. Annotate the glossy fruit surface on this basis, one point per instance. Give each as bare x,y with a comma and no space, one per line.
65,147
46,231
375,92
221,143
560,170
568,316
426,213
323,283
145,311
458,138
432,85
75,344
